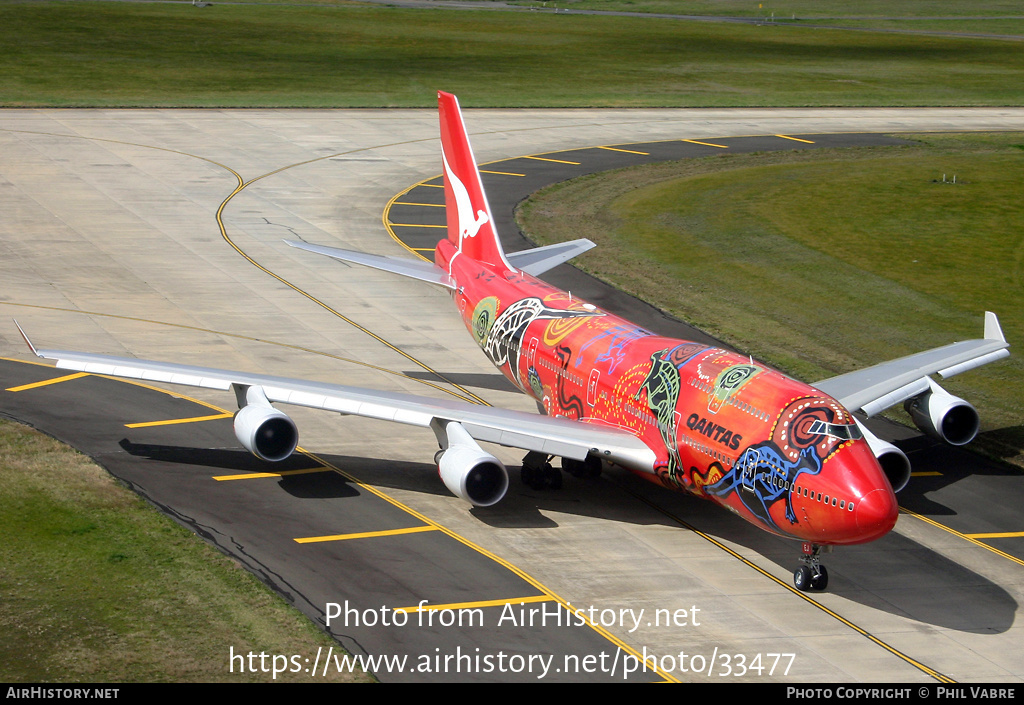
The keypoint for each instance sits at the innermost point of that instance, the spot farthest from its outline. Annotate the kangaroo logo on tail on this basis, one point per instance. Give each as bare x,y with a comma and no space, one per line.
470,223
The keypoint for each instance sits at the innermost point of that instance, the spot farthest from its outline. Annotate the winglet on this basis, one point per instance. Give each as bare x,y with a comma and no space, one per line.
25,338
993,331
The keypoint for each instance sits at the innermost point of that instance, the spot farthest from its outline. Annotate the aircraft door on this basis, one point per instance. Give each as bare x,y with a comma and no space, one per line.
595,375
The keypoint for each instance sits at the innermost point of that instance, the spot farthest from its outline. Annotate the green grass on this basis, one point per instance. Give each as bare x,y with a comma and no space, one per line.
140,54
801,8
97,586
821,262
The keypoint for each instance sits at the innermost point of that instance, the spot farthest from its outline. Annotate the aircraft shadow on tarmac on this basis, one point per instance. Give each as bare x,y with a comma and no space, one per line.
895,574
926,495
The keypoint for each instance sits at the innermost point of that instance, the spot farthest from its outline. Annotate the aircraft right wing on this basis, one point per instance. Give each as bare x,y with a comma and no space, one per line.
874,389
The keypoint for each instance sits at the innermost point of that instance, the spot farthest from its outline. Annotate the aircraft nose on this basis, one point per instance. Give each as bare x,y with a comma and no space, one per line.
876,513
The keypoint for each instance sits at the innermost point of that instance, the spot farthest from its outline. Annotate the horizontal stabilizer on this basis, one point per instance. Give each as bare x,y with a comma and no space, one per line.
415,269
541,259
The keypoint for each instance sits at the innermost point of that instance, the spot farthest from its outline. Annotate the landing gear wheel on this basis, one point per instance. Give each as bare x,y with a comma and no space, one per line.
802,578
591,467
538,474
811,575
528,476
820,581
552,477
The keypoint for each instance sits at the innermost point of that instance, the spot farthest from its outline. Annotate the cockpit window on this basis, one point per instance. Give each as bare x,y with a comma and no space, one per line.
844,432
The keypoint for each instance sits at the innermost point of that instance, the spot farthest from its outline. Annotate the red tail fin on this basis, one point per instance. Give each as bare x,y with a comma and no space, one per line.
470,223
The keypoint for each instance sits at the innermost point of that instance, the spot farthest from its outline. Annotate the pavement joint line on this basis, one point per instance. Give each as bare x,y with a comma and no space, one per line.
239,336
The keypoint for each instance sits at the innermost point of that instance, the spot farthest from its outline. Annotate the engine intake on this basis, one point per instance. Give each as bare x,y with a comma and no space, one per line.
942,415
893,461
470,472
264,431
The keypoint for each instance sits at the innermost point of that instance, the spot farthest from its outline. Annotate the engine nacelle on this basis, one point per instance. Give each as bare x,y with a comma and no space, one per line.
474,475
470,472
266,432
894,462
942,415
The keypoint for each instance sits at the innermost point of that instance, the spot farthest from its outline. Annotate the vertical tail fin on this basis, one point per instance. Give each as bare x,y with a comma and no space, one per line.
470,223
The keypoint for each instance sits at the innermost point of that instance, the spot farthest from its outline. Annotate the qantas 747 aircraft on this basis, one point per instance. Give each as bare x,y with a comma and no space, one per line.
788,457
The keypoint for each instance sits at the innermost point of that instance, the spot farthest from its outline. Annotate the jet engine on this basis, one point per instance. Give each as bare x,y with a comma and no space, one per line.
893,461
468,471
942,415
264,431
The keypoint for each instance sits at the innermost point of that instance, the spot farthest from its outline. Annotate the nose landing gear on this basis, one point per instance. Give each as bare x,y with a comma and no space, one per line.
812,574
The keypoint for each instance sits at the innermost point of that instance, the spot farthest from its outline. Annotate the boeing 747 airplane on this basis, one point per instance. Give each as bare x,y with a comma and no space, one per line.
793,459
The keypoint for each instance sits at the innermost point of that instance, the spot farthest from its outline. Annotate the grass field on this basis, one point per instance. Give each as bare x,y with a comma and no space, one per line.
142,54
822,262
803,9
98,587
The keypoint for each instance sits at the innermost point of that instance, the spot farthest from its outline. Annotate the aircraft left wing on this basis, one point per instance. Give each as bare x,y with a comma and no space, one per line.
876,388
554,436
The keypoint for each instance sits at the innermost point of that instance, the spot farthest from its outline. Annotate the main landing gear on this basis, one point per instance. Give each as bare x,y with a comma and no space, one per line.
537,472
812,574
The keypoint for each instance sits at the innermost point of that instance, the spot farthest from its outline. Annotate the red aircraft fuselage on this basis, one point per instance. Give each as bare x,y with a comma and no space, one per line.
778,452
